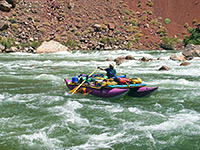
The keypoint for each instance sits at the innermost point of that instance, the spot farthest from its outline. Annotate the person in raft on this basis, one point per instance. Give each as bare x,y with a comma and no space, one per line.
110,72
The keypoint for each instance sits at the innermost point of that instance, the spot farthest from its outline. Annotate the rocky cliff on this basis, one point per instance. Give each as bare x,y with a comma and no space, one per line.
102,24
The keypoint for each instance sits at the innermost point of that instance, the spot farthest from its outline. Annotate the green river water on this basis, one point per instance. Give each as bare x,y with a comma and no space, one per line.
36,113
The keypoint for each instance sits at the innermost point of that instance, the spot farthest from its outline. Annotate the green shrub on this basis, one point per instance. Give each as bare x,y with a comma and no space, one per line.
42,30
193,39
194,21
149,3
149,12
159,18
8,42
14,26
162,32
70,42
186,25
139,4
191,30
127,12
103,39
168,43
167,21
34,44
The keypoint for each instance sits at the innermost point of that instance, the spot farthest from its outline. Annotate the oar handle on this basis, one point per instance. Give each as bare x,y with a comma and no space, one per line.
83,82
78,87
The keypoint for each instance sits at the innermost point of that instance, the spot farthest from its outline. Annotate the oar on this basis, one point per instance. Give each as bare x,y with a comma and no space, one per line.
76,88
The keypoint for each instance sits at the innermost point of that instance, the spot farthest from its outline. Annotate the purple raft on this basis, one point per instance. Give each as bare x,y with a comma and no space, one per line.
135,90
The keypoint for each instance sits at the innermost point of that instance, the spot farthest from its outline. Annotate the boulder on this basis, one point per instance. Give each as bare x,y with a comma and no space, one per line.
12,2
11,50
120,59
2,48
191,51
177,57
111,26
51,47
5,6
3,25
164,68
97,27
144,59
185,64
129,57
109,59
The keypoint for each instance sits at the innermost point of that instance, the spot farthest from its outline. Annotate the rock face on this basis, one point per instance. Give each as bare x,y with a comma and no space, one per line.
51,47
191,51
177,57
3,25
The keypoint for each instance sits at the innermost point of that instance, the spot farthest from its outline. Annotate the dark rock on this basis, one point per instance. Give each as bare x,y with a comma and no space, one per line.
177,57
164,68
129,57
185,64
144,59
12,2
5,6
191,51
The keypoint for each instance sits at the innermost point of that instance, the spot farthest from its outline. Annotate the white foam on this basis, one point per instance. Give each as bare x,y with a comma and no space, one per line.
114,109
39,137
68,111
47,77
177,121
138,111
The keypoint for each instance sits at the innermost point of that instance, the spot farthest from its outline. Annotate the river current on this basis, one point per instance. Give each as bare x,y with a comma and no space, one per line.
37,113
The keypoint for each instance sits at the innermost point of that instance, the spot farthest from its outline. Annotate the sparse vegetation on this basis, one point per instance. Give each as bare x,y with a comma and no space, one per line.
70,42
139,4
42,30
194,38
149,12
14,26
7,42
162,31
46,23
167,21
168,43
194,21
186,25
150,3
